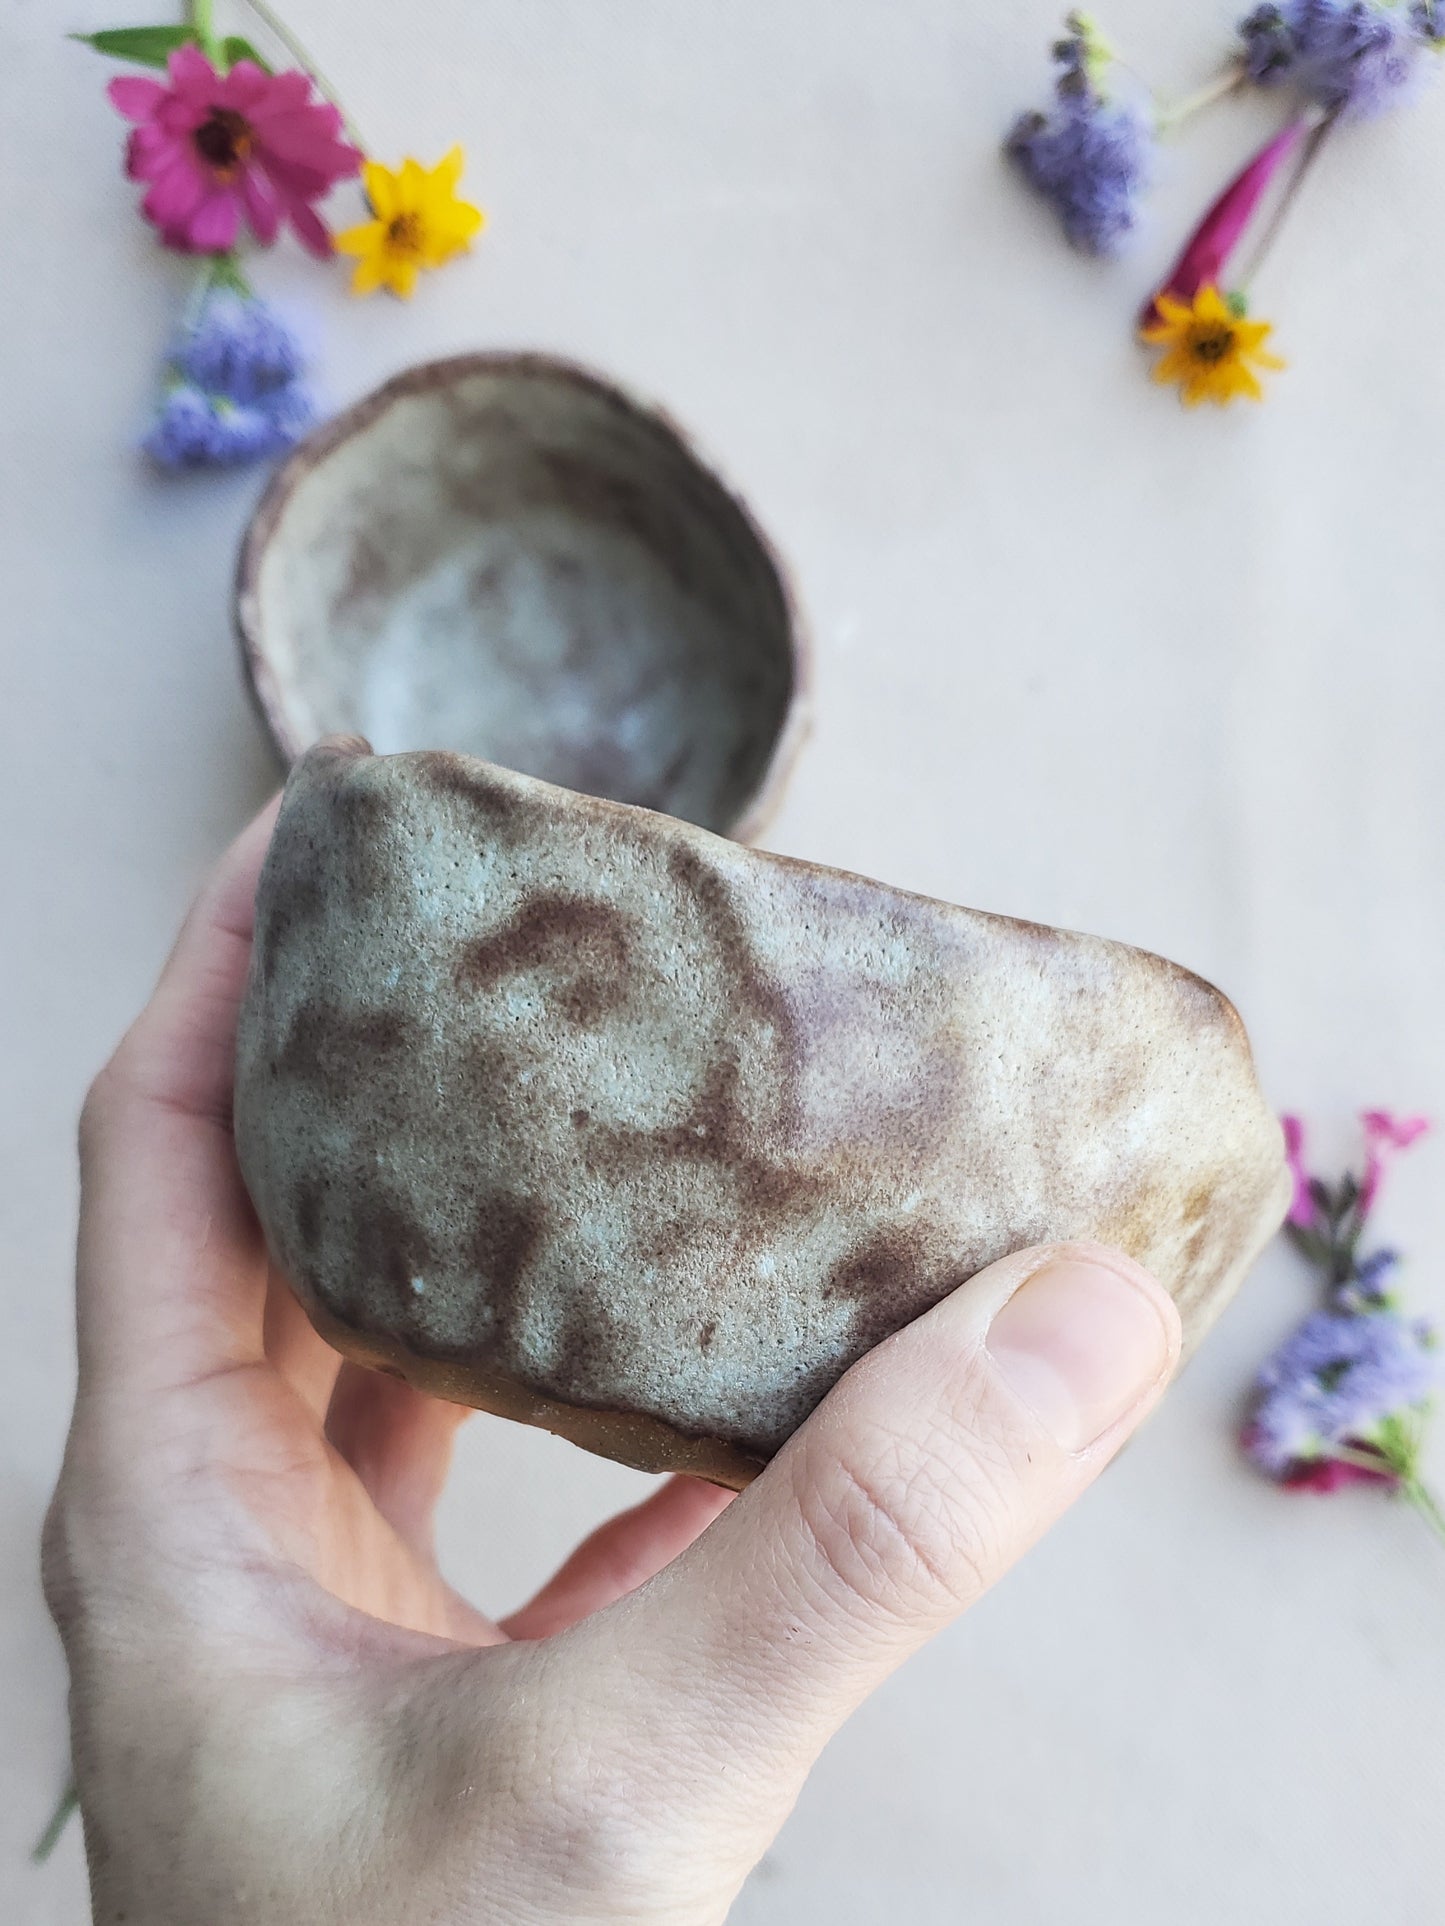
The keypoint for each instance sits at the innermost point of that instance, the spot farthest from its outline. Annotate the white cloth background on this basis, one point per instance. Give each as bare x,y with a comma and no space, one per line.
1080,657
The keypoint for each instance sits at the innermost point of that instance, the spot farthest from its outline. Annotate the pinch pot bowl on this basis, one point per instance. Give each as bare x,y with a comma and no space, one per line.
506,555
577,1113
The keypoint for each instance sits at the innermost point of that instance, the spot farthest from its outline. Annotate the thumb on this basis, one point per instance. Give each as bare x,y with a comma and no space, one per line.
934,1464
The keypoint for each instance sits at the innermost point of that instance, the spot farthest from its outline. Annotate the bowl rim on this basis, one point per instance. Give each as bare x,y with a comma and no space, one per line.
262,681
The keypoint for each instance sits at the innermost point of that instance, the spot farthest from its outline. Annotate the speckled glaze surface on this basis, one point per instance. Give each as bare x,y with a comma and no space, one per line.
579,1113
506,555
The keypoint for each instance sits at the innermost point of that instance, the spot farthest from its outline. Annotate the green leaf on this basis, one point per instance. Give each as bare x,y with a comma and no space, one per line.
147,46
1309,1243
235,47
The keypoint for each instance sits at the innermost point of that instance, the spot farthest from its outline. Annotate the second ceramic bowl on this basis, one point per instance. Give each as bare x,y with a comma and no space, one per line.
506,555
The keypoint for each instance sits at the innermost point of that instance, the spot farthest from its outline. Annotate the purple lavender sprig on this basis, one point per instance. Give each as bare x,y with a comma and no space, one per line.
236,389
1090,155
1345,1399
1361,57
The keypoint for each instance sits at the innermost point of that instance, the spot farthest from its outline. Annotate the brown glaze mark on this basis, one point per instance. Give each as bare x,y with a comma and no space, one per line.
583,941
716,1132
364,815
388,1246
507,1233
297,905
891,1280
332,1050
1197,1204
445,774
761,998
485,1072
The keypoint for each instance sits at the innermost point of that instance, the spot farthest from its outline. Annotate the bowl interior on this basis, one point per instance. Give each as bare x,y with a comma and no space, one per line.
512,559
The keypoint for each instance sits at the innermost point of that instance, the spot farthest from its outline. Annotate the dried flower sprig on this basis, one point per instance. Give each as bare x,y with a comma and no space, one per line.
1092,157
1091,154
1346,1398
1200,316
237,390
231,152
1359,57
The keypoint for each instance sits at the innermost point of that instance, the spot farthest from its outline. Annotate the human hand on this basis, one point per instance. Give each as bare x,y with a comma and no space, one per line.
282,1713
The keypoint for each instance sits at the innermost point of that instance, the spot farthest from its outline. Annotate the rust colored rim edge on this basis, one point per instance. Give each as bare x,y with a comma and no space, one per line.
261,680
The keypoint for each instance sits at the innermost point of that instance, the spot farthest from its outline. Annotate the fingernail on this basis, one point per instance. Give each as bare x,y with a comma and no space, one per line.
1080,1343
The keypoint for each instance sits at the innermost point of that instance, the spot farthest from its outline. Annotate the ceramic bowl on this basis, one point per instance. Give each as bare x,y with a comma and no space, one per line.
579,1114
504,554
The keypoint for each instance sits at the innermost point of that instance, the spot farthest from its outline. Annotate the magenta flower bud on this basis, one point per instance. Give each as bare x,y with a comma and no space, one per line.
1302,1205
1205,259
1385,1134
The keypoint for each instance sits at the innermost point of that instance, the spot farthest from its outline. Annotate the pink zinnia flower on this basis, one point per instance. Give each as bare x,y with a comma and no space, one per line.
1385,1133
217,148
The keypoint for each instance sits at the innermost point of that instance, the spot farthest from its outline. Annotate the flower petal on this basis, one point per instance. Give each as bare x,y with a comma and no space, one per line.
192,74
244,87
310,229
367,238
293,139
212,229
461,222
150,151
175,194
401,278
1384,1126
448,170
135,97
262,204
370,273
381,185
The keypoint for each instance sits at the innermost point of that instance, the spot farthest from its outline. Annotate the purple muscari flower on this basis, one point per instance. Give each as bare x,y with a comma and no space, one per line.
1363,55
197,430
1089,156
238,393
1334,1383
1373,1278
239,347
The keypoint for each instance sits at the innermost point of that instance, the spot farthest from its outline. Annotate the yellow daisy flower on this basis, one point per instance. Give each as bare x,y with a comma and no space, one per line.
1211,351
420,223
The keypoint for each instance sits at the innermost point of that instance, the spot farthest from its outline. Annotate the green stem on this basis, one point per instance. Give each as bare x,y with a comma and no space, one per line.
217,271
1412,1489
59,1819
204,25
273,22
1365,1461
1427,1504
1228,82
1314,147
